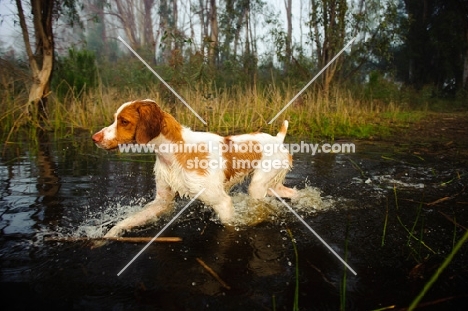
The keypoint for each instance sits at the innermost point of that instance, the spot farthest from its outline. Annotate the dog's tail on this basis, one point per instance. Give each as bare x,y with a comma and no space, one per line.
282,132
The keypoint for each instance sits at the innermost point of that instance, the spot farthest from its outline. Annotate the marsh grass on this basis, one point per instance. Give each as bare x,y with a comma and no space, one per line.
438,272
226,111
384,230
343,285
417,252
410,232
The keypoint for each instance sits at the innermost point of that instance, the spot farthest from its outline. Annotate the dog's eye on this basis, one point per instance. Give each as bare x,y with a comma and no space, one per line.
124,122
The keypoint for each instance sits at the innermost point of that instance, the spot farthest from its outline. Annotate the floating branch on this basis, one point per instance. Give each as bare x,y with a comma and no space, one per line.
118,239
213,274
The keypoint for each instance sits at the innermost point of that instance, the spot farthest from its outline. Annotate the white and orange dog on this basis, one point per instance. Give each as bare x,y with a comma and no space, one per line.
188,162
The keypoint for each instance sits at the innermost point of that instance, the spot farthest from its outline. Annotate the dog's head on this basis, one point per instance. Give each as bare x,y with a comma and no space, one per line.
134,122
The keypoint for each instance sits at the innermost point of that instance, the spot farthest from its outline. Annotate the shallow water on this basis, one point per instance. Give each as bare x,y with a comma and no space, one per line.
363,205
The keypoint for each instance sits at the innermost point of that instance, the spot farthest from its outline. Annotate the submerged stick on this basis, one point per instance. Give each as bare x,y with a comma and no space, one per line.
118,239
453,221
213,274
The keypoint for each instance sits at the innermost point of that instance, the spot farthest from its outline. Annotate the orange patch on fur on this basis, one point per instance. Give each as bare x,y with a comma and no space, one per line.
127,121
239,163
171,129
283,129
195,161
144,120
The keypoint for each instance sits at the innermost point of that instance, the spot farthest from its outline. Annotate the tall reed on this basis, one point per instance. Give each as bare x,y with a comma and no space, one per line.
226,110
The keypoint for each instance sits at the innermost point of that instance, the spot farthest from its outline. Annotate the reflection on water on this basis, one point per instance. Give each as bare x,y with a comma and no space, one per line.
67,187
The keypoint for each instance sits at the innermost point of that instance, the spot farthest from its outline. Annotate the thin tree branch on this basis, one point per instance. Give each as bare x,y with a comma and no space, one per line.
27,42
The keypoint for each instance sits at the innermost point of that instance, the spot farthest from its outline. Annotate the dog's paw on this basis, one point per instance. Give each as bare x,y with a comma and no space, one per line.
114,232
98,243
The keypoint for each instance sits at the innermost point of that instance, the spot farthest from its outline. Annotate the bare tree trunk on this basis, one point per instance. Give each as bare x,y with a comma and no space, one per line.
192,29
240,21
465,66
247,31
229,17
164,28
127,19
253,57
288,4
253,35
314,23
175,29
213,52
140,22
301,10
204,26
102,20
41,63
149,33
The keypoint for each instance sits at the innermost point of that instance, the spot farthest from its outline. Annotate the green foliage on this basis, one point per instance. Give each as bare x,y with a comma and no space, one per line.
77,71
382,89
435,46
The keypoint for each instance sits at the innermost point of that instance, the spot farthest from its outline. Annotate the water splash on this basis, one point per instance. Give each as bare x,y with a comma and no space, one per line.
94,223
248,212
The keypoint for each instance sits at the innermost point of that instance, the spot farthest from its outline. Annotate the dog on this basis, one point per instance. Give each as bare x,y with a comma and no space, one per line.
196,163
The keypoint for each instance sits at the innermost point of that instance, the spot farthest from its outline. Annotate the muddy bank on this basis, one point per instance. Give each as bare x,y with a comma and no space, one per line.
437,133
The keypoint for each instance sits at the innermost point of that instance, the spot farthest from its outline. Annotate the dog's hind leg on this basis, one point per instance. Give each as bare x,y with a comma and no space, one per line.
221,202
262,182
282,191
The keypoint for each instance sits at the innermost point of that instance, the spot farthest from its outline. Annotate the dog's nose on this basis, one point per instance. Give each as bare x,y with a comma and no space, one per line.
97,137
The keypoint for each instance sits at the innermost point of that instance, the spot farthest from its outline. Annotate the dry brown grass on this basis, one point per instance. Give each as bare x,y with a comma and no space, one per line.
226,111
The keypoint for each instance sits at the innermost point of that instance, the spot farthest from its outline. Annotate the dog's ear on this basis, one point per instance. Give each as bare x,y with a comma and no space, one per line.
150,122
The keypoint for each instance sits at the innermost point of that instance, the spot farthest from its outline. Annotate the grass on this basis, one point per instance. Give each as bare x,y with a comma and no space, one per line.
343,285
439,270
384,231
227,111
411,231
417,253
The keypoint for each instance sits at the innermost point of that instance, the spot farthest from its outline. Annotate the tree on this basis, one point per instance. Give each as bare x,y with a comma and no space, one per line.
213,51
136,21
288,5
437,44
328,30
41,61
332,23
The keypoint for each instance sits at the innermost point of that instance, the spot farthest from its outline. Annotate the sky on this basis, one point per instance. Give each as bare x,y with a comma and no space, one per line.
8,32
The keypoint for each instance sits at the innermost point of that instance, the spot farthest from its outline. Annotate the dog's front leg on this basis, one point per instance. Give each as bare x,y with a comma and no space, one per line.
163,200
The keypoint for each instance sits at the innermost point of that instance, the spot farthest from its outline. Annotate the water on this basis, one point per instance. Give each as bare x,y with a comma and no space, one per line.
363,205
